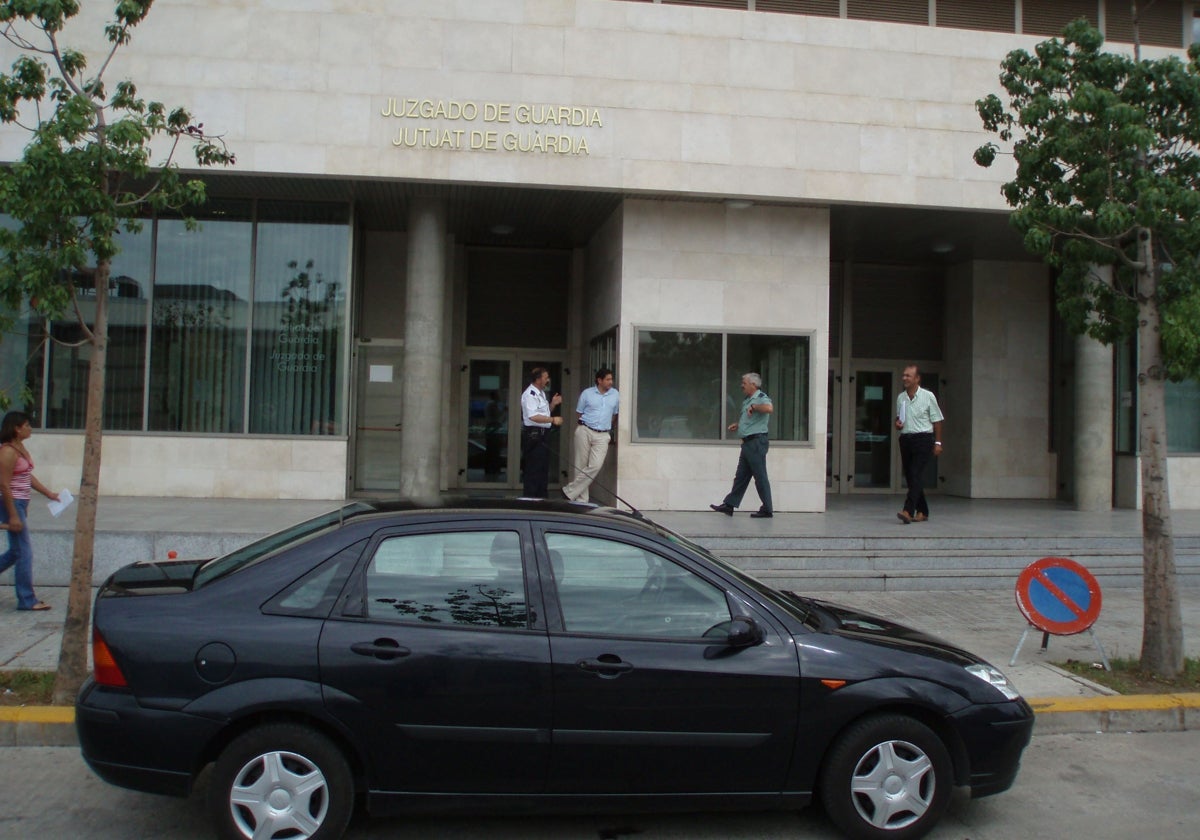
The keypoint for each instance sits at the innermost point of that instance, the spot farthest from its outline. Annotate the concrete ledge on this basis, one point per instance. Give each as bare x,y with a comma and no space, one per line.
54,726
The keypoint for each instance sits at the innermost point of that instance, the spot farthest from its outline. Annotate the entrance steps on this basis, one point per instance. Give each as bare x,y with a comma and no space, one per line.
894,563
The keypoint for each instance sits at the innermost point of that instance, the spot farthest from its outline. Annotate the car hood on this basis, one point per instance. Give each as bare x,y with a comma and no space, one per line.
863,626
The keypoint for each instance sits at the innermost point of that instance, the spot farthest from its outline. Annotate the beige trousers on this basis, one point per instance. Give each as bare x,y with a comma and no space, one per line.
591,448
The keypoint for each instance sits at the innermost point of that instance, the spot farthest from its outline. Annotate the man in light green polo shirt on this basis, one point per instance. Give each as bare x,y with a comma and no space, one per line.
919,419
751,427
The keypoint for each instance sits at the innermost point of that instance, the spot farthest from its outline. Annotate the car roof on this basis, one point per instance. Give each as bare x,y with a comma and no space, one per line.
493,505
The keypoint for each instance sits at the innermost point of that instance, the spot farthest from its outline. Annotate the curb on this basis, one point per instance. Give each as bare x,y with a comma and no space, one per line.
37,726
54,726
1117,713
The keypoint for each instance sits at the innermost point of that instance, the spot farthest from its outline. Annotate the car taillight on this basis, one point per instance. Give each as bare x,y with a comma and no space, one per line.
105,668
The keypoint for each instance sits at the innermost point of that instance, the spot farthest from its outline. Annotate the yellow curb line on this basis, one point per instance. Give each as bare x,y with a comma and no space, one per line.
37,714
1116,703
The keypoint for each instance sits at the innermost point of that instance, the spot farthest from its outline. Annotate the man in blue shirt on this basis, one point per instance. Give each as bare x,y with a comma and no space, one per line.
751,427
597,420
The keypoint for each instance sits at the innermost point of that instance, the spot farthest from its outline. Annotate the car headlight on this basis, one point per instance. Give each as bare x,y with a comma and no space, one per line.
995,678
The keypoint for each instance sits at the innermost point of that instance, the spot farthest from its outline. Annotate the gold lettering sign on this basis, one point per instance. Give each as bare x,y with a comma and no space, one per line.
454,125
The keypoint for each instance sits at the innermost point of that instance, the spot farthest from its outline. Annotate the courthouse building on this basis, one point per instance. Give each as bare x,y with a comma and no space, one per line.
431,197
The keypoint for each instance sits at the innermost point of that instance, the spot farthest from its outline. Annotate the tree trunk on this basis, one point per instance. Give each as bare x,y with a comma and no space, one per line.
1162,624
73,654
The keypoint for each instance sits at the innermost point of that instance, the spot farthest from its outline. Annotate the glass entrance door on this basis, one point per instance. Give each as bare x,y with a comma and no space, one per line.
489,421
873,430
491,450
377,429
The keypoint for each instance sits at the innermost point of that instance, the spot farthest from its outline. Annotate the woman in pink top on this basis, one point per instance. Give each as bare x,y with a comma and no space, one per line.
17,483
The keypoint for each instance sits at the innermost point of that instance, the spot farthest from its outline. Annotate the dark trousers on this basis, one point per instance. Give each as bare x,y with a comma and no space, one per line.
752,463
535,447
915,452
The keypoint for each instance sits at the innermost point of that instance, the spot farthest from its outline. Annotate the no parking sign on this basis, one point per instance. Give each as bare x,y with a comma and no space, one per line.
1057,595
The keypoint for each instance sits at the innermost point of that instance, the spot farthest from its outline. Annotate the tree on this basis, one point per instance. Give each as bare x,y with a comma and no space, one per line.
1106,191
85,178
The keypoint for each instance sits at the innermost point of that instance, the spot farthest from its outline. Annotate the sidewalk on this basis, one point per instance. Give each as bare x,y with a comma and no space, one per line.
985,622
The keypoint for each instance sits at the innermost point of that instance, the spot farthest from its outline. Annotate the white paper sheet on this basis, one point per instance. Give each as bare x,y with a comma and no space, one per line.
64,501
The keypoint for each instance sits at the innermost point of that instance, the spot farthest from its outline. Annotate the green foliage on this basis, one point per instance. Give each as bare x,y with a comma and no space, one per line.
1105,146
87,173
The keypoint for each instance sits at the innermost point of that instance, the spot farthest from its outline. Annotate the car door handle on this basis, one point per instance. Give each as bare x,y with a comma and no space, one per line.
607,666
381,649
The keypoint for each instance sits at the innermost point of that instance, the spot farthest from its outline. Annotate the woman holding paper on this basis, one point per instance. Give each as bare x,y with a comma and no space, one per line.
17,483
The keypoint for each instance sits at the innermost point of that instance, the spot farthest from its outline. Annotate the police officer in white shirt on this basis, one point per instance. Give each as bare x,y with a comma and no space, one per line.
536,421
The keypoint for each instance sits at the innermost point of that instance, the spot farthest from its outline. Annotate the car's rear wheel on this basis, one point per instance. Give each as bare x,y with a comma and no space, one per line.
887,777
281,781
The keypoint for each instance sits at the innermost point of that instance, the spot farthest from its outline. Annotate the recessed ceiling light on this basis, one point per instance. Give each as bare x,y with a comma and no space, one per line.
942,247
738,203
503,230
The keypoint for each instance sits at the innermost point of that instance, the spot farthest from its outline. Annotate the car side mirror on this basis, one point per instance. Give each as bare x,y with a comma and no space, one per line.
745,632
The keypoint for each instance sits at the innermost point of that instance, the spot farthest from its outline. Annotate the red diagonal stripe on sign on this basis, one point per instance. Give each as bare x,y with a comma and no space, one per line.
1059,594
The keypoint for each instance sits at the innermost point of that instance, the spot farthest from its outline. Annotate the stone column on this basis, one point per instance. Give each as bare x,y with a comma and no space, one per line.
424,404
1093,424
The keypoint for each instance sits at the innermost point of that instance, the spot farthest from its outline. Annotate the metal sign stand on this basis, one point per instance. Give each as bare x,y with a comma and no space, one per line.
1046,642
1058,596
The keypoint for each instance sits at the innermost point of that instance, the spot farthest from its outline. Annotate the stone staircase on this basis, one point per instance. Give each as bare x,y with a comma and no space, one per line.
895,563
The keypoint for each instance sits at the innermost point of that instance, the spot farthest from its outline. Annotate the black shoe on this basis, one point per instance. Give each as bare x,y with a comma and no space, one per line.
762,514
723,508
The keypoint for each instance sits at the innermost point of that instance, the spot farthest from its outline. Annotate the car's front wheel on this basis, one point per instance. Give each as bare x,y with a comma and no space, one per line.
888,777
281,781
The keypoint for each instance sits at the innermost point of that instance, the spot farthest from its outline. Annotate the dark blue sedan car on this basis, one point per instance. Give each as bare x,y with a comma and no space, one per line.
523,655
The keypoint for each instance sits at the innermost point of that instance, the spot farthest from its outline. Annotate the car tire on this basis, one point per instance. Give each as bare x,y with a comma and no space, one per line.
887,776
288,775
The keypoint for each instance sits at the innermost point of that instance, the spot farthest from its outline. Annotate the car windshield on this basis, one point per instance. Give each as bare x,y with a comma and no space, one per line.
259,550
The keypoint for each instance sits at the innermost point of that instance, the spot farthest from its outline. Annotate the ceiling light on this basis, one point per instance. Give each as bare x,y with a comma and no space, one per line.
942,247
738,203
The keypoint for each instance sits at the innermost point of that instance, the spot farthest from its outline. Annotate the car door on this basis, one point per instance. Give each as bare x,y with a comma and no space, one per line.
645,702
438,661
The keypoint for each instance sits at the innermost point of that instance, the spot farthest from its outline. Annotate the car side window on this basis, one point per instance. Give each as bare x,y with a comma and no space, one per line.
614,588
469,578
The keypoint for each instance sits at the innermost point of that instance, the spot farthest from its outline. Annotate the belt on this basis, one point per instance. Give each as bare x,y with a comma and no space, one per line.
593,428
535,430
914,434
755,435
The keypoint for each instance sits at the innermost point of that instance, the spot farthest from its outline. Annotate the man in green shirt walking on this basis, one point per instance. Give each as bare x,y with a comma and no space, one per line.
751,427
919,420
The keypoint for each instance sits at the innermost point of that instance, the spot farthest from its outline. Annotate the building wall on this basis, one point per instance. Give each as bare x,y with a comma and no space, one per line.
198,467
686,100
712,266
1010,382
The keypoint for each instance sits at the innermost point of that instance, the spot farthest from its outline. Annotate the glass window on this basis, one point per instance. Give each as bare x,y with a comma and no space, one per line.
611,588
1183,416
467,578
689,384
679,385
70,355
201,313
300,287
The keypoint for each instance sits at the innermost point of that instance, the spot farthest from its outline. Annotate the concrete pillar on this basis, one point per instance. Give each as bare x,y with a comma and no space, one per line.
1093,424
424,406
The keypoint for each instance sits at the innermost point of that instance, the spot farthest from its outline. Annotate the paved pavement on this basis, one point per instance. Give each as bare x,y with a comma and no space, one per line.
986,622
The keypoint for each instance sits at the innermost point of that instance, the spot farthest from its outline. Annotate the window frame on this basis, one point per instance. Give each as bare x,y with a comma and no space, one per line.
354,600
555,620
809,335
